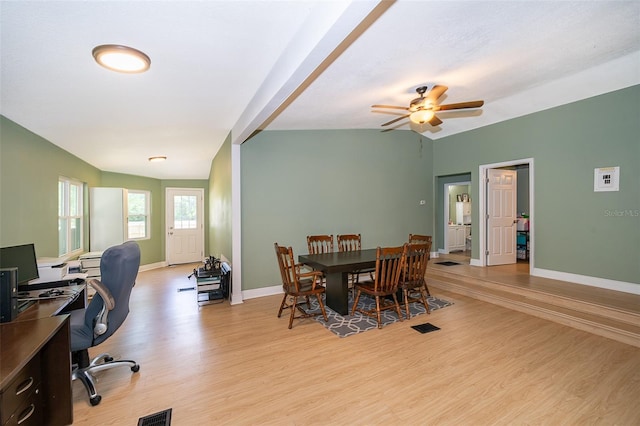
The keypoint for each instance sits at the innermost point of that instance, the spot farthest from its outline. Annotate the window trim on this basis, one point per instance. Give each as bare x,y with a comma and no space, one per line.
147,214
65,198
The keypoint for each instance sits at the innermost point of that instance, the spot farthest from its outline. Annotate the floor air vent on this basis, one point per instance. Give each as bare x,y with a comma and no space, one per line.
161,418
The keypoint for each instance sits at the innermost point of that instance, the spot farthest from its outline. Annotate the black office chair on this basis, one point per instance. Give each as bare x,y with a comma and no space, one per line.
104,315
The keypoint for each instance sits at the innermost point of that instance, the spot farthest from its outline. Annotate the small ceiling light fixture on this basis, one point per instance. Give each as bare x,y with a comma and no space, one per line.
121,58
157,158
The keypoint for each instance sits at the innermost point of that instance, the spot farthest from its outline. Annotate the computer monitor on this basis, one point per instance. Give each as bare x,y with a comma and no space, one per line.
22,257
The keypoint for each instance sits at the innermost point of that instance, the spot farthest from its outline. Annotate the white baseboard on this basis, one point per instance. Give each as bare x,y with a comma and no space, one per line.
261,292
475,262
151,266
622,286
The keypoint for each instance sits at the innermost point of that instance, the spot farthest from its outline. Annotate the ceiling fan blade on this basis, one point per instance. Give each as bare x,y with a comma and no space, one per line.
390,106
461,105
436,92
394,120
435,121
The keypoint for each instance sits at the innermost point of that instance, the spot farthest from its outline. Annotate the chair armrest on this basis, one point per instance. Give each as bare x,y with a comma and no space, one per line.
101,321
303,268
316,275
104,292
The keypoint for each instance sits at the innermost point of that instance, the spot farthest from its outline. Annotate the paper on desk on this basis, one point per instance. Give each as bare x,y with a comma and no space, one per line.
76,275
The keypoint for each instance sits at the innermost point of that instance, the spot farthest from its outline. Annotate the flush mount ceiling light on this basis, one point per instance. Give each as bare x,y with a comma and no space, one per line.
157,158
121,58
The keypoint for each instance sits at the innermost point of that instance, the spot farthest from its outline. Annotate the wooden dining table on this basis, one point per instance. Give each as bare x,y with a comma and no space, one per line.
336,267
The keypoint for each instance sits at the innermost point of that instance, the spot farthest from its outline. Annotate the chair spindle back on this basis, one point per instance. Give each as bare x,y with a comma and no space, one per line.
287,265
416,263
319,244
389,265
349,242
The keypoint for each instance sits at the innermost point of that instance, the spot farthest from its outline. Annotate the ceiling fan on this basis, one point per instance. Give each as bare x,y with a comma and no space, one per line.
422,110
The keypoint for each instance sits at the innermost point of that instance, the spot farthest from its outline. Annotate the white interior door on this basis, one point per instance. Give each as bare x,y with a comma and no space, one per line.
501,216
185,225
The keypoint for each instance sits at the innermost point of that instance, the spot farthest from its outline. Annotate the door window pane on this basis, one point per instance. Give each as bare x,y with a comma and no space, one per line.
185,212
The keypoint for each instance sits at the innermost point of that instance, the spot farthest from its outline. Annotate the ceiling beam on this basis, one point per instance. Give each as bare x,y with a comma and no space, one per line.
330,29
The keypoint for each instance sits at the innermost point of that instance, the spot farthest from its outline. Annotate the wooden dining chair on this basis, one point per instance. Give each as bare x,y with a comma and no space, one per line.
412,281
352,242
389,265
349,242
418,239
318,244
422,239
297,284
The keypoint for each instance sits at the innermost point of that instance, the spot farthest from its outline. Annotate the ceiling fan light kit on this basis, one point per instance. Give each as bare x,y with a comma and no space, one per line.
120,58
422,110
421,116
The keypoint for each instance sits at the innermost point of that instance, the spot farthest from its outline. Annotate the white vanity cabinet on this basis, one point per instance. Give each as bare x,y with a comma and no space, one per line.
457,236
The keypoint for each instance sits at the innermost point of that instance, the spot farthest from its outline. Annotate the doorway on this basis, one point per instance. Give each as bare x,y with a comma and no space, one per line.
525,170
456,225
184,209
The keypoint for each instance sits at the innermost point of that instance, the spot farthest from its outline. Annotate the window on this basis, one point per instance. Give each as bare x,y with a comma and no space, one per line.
185,212
70,214
138,214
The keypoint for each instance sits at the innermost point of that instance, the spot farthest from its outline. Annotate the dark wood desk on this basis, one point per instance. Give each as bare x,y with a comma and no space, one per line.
35,372
35,360
336,267
73,297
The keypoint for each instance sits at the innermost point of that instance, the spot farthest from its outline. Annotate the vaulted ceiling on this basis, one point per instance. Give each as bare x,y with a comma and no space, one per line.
237,67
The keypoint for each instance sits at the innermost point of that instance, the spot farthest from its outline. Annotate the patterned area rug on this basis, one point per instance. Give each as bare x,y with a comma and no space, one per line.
348,325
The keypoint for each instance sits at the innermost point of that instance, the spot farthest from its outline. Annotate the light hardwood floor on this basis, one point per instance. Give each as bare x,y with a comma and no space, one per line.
240,365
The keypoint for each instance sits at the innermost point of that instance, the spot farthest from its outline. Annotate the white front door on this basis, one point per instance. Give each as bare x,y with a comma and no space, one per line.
185,225
501,216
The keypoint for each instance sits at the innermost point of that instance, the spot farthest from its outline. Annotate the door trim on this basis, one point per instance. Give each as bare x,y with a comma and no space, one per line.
482,212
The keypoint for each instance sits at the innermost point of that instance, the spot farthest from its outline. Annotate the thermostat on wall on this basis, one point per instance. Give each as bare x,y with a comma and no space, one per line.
606,179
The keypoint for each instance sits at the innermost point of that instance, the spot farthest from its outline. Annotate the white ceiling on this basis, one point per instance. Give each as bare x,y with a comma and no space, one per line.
241,66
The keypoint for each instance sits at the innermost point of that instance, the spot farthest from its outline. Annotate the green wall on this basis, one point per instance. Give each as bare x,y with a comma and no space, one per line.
577,230
152,250
220,200
298,183
29,170
30,167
